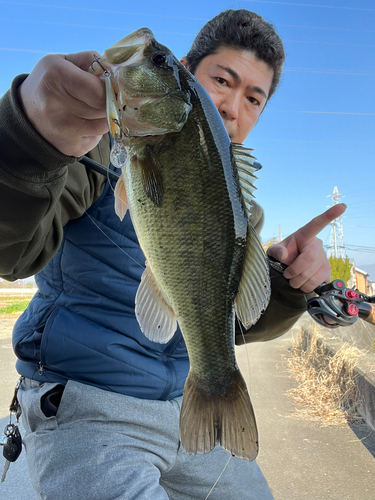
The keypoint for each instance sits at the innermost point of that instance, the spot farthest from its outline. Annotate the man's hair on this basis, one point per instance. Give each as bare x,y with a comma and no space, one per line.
244,30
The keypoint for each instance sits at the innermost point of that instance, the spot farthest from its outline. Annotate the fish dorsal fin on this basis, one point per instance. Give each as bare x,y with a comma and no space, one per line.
152,176
154,314
246,166
255,287
121,201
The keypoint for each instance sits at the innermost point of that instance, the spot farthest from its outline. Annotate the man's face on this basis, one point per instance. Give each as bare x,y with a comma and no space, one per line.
238,84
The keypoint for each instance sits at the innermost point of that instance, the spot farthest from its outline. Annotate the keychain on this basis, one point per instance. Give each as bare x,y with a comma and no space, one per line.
12,440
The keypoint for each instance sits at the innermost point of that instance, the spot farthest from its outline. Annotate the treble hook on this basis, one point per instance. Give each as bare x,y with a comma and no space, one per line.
97,60
114,120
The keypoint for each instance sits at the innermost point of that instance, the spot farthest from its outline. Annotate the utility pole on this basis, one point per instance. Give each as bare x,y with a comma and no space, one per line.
336,246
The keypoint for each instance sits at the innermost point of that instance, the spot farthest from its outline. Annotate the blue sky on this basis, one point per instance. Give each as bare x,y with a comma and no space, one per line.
316,133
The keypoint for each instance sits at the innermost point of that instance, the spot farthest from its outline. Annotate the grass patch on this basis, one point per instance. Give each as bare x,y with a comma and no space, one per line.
326,390
15,307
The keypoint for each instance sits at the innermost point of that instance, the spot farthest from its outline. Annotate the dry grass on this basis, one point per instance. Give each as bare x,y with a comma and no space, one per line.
326,390
7,299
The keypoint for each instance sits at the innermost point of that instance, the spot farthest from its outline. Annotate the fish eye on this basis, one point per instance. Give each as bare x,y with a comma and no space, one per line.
159,59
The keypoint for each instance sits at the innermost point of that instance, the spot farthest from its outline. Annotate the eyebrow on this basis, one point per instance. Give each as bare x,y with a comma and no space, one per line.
237,77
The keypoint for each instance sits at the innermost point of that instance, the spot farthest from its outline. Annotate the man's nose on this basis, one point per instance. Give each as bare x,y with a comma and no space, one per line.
229,106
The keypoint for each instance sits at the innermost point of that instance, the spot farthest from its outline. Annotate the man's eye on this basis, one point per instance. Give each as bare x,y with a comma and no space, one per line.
253,100
220,80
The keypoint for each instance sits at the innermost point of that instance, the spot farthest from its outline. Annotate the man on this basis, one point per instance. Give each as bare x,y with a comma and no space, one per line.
100,402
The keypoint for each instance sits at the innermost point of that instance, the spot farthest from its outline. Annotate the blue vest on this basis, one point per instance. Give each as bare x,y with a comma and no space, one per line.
81,324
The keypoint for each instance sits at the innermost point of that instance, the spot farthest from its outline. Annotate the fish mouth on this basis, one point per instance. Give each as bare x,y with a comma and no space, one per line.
138,115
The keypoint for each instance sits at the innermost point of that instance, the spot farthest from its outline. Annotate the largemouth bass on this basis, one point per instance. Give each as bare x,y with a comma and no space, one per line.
189,192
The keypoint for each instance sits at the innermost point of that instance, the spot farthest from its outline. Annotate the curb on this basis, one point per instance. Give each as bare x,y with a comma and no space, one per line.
364,370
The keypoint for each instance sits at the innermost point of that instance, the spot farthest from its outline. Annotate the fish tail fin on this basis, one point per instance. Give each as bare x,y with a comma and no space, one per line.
227,420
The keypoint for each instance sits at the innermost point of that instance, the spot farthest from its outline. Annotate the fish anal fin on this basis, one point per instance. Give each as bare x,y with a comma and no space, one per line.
228,420
255,287
152,176
121,200
153,312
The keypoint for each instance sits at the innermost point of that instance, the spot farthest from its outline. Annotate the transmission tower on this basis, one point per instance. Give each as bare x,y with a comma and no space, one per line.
336,246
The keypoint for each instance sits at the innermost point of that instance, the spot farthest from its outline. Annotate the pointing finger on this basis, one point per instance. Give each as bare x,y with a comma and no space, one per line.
313,228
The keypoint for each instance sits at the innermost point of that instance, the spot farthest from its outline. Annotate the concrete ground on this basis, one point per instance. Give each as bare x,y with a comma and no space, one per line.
300,459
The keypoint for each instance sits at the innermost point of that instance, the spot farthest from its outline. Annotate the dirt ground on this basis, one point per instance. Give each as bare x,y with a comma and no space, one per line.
6,324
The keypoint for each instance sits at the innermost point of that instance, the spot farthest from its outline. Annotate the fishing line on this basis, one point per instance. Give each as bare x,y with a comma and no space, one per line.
218,479
247,353
110,239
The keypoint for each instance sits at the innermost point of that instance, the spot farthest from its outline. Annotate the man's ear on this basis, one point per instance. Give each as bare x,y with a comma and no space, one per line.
183,61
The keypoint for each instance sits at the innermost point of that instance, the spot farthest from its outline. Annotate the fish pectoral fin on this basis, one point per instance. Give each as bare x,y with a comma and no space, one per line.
255,286
152,176
207,420
121,200
246,166
153,312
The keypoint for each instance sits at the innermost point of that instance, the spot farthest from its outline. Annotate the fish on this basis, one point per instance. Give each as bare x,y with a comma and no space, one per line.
189,193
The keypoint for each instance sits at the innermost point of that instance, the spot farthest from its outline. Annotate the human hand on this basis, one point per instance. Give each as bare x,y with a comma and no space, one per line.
308,265
65,103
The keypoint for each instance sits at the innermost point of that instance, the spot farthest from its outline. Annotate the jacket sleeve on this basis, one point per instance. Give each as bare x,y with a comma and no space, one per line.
286,304
40,191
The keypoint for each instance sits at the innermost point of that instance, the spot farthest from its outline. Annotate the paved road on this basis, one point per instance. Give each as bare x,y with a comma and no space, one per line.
17,484
300,459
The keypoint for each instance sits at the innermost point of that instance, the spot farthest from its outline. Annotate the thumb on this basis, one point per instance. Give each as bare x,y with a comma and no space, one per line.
278,252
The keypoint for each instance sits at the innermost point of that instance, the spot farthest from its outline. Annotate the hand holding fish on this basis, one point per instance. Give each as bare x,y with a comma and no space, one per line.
303,252
65,103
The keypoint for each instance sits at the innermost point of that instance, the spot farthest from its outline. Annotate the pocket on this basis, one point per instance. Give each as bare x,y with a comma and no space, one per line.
30,395
50,401
46,406
28,338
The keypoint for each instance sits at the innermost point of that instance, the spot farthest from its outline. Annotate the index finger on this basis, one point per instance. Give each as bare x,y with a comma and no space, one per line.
313,228
81,84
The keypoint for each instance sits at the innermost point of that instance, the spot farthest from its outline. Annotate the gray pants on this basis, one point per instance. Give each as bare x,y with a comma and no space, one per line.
106,446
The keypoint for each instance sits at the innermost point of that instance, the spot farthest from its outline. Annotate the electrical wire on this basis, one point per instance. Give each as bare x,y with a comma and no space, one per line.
292,4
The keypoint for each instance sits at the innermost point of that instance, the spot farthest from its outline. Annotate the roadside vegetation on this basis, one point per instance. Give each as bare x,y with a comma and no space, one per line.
326,390
14,308
340,269
13,304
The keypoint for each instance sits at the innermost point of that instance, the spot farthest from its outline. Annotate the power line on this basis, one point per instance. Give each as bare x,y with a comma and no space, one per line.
310,5
37,21
309,141
90,26
352,151
103,11
330,43
320,112
329,71
322,28
145,14
24,50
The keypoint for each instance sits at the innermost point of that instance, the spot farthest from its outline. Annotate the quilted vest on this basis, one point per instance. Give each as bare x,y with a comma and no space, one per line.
81,323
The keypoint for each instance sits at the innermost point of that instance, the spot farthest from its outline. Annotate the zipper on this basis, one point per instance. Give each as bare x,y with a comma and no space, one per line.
40,368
